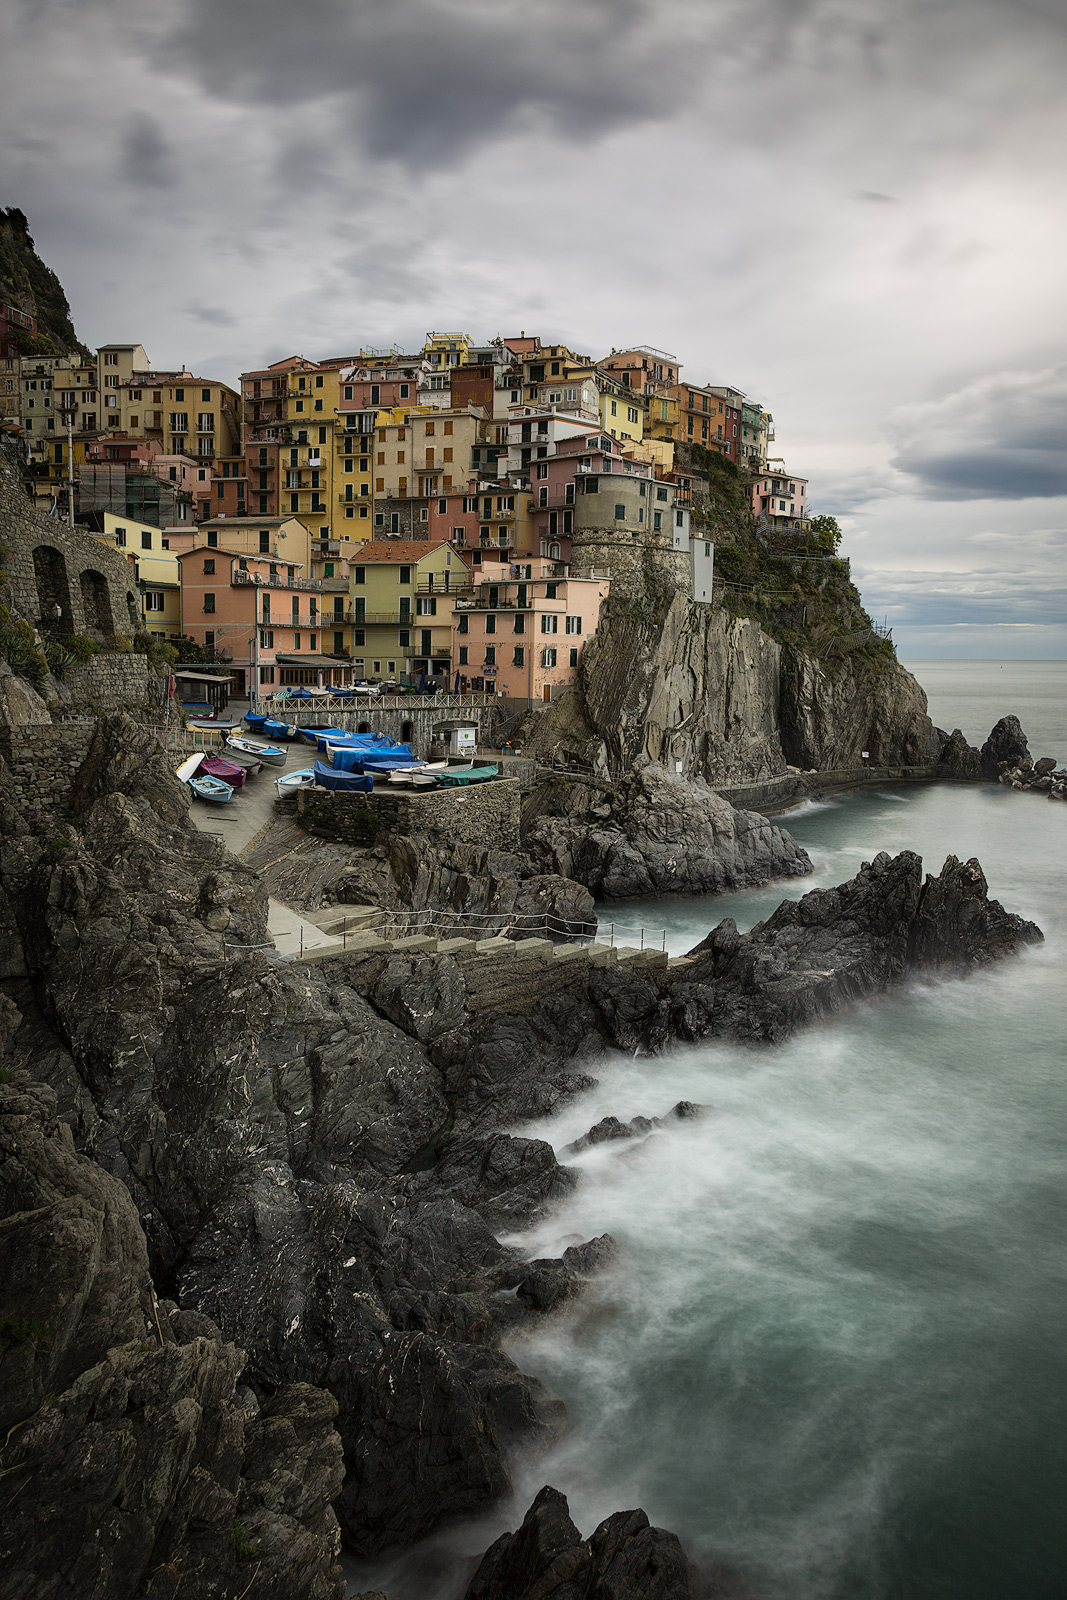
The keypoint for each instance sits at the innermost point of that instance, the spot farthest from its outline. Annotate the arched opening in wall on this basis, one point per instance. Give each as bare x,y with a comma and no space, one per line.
407,732
96,601
364,727
553,552
53,591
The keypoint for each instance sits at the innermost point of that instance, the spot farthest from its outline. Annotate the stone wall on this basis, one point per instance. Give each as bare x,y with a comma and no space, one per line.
44,761
413,722
636,555
485,815
48,565
113,682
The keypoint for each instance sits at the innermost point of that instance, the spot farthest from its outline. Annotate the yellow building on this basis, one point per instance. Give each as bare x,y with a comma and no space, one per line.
444,350
353,478
621,411
661,420
659,451
158,571
401,595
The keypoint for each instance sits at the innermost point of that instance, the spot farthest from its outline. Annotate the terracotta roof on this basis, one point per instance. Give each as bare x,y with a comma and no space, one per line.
388,550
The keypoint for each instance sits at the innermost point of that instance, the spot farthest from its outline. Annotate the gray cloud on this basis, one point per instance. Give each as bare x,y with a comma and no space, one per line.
422,82
214,316
146,156
1002,438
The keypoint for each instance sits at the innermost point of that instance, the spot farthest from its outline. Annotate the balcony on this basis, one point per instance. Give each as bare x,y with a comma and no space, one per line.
257,581
326,547
457,586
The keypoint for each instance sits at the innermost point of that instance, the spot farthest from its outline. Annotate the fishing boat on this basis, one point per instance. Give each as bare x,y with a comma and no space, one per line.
251,764
272,754
294,780
272,729
255,719
189,766
313,735
213,789
457,778
330,778
227,772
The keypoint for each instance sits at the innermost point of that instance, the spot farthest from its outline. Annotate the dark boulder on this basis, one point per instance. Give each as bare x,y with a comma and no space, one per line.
959,761
547,1559
1006,744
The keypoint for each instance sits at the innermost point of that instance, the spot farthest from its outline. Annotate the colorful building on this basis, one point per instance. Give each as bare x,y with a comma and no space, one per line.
708,417
401,595
157,570
779,498
522,629
644,369
267,619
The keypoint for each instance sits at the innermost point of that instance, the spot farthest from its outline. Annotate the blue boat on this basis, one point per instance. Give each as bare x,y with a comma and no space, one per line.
278,730
254,719
329,778
213,789
313,735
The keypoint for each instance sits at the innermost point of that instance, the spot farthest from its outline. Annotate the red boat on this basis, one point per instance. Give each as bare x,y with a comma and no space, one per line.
228,771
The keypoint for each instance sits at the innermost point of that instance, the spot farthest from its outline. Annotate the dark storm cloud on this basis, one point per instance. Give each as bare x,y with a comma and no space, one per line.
423,81
146,156
1002,438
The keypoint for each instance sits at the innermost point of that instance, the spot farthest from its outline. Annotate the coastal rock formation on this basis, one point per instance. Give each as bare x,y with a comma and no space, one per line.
959,761
547,1559
1043,776
319,1159
692,683
1006,744
658,833
133,1463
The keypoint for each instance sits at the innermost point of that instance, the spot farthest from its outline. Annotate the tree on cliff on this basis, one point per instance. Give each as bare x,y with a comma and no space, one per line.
827,534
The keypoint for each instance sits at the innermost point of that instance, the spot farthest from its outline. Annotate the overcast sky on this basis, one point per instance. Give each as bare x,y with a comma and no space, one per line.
851,209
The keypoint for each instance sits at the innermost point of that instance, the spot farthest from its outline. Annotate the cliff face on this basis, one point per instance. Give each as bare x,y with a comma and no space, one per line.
718,693
26,282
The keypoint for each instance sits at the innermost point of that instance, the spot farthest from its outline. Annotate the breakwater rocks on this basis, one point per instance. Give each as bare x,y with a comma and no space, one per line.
314,1164
1043,776
961,762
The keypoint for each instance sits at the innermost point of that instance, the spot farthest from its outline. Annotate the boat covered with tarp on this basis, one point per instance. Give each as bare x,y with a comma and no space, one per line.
226,771
458,777
329,778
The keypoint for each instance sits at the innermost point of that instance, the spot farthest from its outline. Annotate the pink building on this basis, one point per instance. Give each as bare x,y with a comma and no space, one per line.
554,485
272,626
524,628
780,498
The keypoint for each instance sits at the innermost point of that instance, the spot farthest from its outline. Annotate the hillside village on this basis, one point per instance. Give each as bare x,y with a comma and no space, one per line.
453,517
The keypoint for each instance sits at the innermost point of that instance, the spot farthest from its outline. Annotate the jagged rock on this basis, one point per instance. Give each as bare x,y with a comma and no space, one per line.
663,835
131,1466
20,704
1006,743
547,1559
959,760
609,1128
1045,767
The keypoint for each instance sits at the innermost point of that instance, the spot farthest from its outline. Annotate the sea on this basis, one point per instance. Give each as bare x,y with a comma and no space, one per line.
831,1354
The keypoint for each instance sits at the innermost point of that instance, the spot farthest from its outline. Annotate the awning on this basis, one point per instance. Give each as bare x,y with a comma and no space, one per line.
310,661
205,677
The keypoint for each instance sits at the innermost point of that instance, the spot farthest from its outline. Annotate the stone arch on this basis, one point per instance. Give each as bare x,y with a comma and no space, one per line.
407,732
96,601
364,727
53,590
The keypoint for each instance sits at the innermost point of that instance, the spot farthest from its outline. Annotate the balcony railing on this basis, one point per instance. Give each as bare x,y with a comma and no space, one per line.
276,582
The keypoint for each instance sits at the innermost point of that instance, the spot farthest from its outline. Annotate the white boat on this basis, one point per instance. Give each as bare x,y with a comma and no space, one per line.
295,780
189,766
272,754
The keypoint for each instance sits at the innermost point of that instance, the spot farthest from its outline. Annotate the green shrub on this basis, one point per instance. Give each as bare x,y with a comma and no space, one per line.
59,659
21,651
16,1330
81,647
118,645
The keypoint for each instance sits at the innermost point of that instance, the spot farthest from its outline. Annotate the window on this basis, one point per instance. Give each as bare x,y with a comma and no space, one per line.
550,591
266,638
572,656
542,469
213,540
179,394
518,656
592,485
464,653
205,422
266,674
179,422
549,623
463,625
520,623
426,607
404,638
209,602
548,656
359,636
655,521
574,625
120,536
661,494
490,655
620,513
209,566
153,600
542,495
490,623
146,540
631,413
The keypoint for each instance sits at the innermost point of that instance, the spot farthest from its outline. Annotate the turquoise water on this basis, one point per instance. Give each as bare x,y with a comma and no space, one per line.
832,1353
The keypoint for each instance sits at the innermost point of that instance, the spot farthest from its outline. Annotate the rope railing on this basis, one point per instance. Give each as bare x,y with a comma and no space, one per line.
514,924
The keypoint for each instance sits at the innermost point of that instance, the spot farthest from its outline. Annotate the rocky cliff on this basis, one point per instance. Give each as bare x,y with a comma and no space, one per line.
719,694
313,1165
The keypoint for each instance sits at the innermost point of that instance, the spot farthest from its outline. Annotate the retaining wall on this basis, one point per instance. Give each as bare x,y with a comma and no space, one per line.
44,760
483,814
